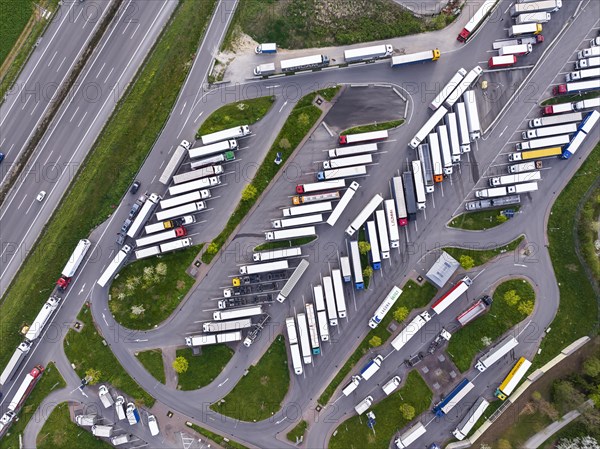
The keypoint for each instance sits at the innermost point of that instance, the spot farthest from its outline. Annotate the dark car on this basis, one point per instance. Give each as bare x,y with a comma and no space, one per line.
1,157
487,300
135,187
120,239
414,359
126,226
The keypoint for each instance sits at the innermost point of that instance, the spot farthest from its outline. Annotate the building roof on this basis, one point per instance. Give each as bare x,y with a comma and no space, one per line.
442,270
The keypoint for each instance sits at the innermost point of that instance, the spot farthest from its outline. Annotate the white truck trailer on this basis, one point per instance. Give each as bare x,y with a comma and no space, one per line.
181,210
447,89
410,330
463,128
285,234
228,156
535,17
465,84
292,281
384,240
297,221
544,142
185,198
204,172
389,207
320,186
582,74
343,203
15,361
174,162
470,419
374,253
211,150
525,167
417,170
226,326
356,266
161,236
274,254
425,158
528,28
42,318
313,329
587,63
364,405
353,150
452,126
227,134
515,50
114,266
304,63
321,312
515,178
556,120
195,185
510,190
364,214
338,288
264,69
344,172
442,133
536,133
361,159
330,300
304,339
264,267
429,125
315,208
175,244
324,196
73,264
221,315
368,53
410,436
212,339
385,306
352,386
436,155
472,115
496,353
143,215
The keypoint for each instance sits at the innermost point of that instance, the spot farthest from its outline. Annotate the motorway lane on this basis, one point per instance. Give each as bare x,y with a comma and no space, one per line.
51,62
77,126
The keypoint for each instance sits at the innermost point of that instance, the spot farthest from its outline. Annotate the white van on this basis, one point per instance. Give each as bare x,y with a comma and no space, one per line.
120,406
153,425
121,439
353,385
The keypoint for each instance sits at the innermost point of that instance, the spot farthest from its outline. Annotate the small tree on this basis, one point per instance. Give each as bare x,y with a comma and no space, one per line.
284,144
501,218
212,248
249,193
466,262
368,272
375,341
364,247
511,297
591,367
526,307
93,376
400,314
407,411
180,365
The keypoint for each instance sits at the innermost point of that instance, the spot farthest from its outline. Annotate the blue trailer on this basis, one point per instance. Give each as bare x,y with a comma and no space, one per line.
453,398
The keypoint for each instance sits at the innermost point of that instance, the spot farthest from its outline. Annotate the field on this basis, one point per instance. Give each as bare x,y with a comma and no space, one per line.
205,367
153,362
245,112
14,17
480,220
98,188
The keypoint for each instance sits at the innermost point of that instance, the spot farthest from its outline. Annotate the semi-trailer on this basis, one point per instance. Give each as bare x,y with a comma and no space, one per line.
410,330
264,69
534,17
451,295
453,398
527,28
384,240
228,156
274,254
323,327
356,266
345,267
371,367
174,162
511,381
371,136
525,166
143,215
558,108
587,63
181,210
114,265
471,313
338,288
212,149
345,172
567,128
585,128
226,326
321,186
472,115
452,127
305,62
385,306
204,172
516,50
297,221
312,329
304,339
264,267
499,62
285,234
330,300
73,264
195,185
503,191
556,120
341,206
416,58
582,74
497,45
589,52
227,134
447,89
221,315
515,178
364,214
442,132
425,158
296,359
270,47
492,203
132,413
292,281
161,236
170,224
429,125
409,195
368,53
324,206
463,128
305,199
290,326
436,155
535,154
577,87
212,339
417,170
496,353
544,142
418,430
364,405
15,361
472,416
374,254
465,84
474,22
353,150
361,159
175,244
398,193
536,6
389,208
185,198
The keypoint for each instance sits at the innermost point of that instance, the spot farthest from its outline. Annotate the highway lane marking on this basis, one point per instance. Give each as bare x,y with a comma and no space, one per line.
520,265
34,108
126,26
21,203
104,318
199,115
27,211
52,59
161,165
26,101
81,290
507,9
46,161
100,71
505,128
74,114
223,383
283,106
134,31
110,73
82,118
183,108
61,63
78,16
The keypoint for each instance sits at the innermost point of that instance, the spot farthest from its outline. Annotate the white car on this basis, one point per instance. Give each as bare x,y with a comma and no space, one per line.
41,196
153,425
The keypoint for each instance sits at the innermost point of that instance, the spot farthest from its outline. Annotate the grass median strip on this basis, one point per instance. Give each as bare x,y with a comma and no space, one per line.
203,368
571,98
260,393
354,432
300,121
504,313
413,296
51,380
373,127
297,432
98,187
245,112
285,243
578,312
86,349
226,443
149,290
482,256
480,220
153,362
60,432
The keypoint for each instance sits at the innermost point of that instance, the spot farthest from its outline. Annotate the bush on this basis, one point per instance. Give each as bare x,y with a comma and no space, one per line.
466,262
408,411
180,364
364,247
375,341
400,314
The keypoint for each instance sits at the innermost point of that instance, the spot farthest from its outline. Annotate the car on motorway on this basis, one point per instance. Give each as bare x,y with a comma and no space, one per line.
41,196
1,157
135,187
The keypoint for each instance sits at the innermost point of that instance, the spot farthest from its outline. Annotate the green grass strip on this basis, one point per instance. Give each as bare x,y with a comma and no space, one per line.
297,432
125,141
413,296
373,127
259,393
480,220
285,243
203,368
482,256
153,362
51,380
226,443
86,349
571,98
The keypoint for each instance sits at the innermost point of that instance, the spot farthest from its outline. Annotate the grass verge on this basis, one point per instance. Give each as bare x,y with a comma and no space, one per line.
297,432
203,368
300,121
87,349
285,243
372,127
124,143
153,362
260,393
364,259
148,290
413,296
482,256
300,24
571,98
60,432
480,220
51,380
578,312
245,112
468,341
225,443
587,232
354,432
